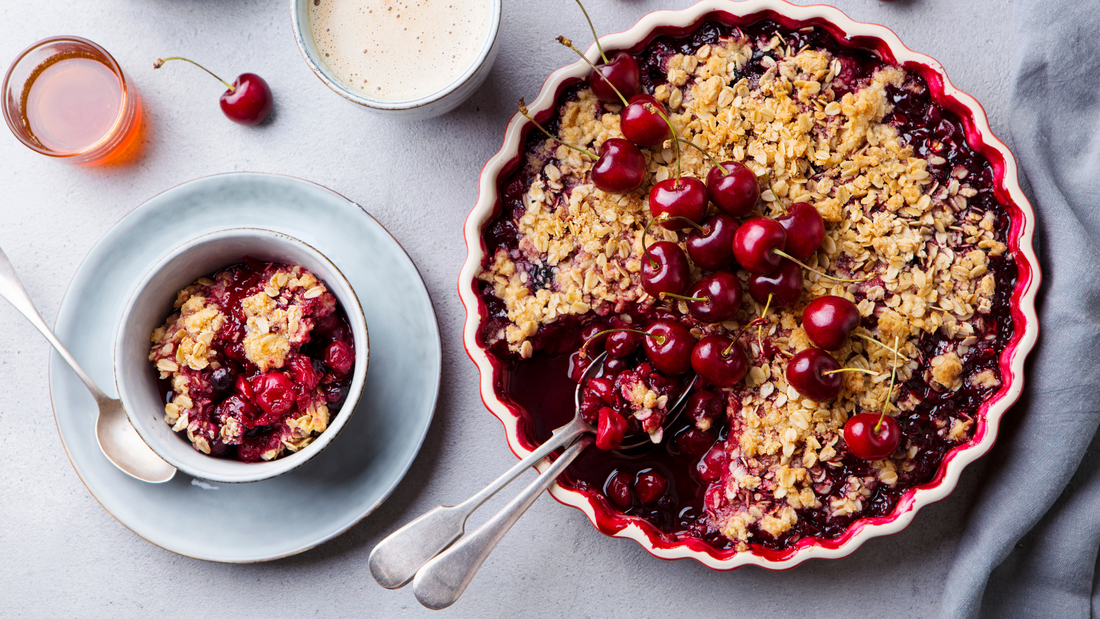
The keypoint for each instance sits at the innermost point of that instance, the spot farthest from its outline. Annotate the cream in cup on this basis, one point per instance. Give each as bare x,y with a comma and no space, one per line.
417,58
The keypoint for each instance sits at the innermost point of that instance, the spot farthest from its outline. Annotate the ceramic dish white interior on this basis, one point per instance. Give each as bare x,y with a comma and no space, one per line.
886,45
428,106
152,302
320,499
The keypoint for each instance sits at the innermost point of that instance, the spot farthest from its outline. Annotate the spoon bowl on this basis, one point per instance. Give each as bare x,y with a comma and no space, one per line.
115,434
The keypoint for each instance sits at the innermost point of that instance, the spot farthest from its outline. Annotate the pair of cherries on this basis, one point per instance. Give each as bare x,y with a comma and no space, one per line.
828,322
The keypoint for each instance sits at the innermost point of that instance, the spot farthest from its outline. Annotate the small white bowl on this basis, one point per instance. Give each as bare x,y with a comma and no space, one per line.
150,305
429,106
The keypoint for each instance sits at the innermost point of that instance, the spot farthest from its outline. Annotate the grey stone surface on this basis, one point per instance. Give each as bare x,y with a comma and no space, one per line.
61,554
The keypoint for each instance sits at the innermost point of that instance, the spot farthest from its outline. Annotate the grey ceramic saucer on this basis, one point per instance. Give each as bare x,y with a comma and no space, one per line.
286,515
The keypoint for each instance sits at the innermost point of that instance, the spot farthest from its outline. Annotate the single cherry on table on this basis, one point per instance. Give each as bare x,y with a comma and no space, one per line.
247,101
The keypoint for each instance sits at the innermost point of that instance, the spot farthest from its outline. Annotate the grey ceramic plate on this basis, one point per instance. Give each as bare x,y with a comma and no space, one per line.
323,498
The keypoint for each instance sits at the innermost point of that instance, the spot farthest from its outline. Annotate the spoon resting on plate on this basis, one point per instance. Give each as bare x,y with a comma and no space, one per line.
117,438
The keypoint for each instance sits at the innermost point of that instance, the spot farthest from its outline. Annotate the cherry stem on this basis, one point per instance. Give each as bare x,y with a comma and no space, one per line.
523,110
675,138
645,248
713,161
890,391
160,63
688,221
566,42
871,372
584,347
779,252
593,28
760,327
683,298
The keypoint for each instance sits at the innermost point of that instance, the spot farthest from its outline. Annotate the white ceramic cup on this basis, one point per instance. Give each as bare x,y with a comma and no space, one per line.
428,106
152,302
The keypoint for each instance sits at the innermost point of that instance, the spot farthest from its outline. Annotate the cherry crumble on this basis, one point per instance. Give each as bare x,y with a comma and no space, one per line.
253,361
911,220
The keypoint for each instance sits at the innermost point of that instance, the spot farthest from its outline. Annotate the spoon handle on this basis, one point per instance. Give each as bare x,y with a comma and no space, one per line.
440,583
396,559
12,290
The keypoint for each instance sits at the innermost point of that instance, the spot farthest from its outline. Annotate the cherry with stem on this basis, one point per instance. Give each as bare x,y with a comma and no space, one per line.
614,76
620,166
247,101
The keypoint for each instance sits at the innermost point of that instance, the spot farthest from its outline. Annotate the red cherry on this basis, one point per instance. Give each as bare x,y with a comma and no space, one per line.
238,408
305,376
806,373
623,73
247,101
784,284
668,344
755,242
735,192
622,343
611,429
665,268
274,395
718,360
867,443
620,168
712,248
829,320
593,337
684,197
693,442
244,388
805,230
704,407
713,465
597,393
340,358
722,291
618,489
650,486
641,123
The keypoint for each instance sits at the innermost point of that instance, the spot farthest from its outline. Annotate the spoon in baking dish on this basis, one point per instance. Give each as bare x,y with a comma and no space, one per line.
117,438
412,550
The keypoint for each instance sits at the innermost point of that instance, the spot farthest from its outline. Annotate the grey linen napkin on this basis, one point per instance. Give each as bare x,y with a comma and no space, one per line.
1030,543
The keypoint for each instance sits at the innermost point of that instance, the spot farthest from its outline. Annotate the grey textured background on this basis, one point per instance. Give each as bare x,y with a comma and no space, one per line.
61,554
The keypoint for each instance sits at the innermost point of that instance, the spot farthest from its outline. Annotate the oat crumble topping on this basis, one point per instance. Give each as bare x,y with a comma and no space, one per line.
923,250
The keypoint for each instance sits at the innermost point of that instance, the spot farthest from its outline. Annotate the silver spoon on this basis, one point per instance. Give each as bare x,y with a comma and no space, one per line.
398,558
117,438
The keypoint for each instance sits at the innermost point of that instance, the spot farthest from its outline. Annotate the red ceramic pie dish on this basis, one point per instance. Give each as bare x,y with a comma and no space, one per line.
949,424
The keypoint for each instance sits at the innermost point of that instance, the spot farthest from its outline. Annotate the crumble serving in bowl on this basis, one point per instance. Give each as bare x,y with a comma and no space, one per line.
252,360
251,345
923,216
